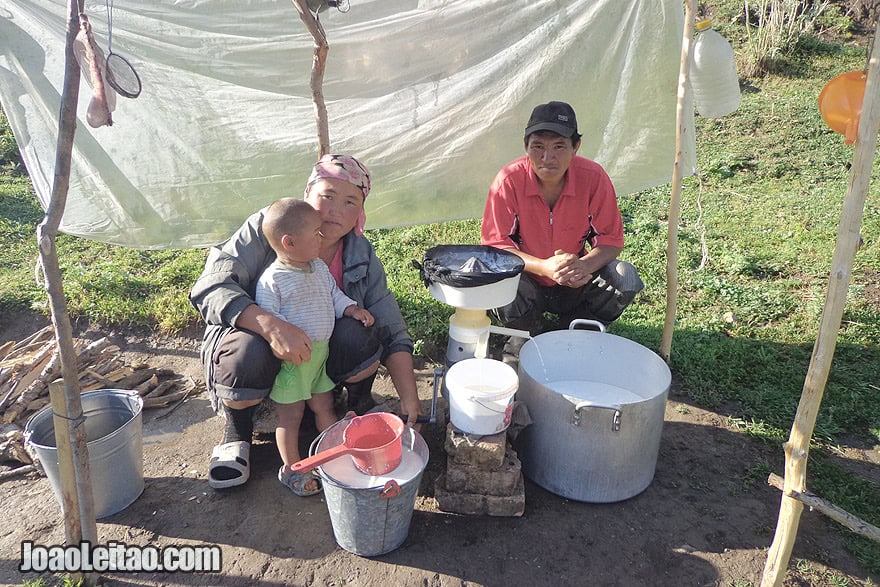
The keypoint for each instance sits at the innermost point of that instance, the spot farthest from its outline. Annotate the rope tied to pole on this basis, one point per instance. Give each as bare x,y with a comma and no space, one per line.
77,420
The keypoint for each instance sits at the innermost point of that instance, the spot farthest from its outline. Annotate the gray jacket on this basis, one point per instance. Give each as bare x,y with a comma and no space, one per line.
226,286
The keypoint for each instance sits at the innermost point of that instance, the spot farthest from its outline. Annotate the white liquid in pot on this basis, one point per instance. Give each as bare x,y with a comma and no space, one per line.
598,393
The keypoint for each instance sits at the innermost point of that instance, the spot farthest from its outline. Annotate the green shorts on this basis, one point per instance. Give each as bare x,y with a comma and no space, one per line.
295,383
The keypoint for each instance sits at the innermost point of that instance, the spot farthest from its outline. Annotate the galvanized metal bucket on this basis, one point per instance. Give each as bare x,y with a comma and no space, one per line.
371,515
114,436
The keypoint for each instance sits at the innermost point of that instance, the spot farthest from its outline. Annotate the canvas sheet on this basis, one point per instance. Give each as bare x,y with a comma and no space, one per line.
432,95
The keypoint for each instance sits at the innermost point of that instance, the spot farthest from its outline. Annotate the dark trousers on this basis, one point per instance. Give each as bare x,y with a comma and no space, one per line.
243,366
604,299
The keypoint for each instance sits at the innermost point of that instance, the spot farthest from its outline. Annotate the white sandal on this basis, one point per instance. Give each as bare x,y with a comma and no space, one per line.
230,455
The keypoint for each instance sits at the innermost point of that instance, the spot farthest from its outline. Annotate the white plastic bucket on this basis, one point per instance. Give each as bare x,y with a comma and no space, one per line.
481,395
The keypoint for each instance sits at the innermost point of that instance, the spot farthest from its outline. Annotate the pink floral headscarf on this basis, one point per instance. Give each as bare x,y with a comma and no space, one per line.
348,169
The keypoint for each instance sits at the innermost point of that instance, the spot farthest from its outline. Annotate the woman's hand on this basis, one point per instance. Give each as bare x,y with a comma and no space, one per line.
412,409
288,342
400,367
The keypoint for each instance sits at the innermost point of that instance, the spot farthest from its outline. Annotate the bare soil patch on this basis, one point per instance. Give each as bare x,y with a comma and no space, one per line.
707,518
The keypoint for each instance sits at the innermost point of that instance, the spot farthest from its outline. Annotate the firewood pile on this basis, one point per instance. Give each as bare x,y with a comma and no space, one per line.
28,366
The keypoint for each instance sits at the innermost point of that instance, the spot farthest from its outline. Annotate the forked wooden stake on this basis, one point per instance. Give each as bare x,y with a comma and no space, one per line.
316,82
798,446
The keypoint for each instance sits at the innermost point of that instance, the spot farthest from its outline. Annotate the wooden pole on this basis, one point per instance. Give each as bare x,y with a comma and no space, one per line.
46,233
316,82
66,470
675,196
798,446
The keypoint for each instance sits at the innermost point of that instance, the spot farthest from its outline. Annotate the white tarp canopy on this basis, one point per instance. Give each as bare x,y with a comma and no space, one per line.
432,95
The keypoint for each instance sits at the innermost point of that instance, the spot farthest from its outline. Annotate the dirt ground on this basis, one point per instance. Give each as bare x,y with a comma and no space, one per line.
706,519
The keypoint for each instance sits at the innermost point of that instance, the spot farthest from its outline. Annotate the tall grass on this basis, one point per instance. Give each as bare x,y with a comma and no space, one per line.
774,27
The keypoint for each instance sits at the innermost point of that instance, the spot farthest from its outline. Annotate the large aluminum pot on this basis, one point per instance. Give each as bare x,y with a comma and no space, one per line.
596,401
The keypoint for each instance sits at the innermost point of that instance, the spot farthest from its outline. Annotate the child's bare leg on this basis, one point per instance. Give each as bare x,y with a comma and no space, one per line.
322,405
287,437
287,432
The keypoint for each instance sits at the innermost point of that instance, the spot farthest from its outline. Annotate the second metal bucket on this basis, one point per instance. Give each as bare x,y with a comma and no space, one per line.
371,515
113,426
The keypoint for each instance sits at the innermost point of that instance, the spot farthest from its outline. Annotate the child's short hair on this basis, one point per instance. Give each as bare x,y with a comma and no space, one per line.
285,216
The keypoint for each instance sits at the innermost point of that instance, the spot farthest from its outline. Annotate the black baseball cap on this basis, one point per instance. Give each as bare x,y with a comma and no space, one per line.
556,117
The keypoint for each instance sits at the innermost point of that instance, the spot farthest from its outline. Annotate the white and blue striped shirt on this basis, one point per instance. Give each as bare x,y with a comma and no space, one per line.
307,298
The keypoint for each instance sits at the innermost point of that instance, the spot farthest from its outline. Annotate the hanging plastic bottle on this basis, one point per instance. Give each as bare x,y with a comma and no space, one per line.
713,76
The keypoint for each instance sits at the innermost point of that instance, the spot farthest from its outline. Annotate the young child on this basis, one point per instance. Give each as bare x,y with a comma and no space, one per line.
298,288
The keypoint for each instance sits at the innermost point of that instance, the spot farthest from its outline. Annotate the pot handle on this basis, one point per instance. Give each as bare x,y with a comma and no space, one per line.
615,418
325,456
584,322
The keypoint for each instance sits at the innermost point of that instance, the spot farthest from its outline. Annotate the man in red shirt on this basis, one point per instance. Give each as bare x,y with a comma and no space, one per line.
548,207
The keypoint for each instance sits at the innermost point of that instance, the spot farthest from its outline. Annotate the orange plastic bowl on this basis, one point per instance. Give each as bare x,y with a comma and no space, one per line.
840,103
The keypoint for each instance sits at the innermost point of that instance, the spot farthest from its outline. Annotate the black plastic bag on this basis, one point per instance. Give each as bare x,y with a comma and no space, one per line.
468,265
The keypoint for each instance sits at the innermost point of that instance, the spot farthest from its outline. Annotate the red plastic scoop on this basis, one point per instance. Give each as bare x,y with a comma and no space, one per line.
373,440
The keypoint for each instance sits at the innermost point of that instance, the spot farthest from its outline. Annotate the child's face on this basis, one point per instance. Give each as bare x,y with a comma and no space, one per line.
305,244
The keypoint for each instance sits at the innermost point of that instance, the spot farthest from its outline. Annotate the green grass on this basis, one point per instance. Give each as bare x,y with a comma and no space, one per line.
757,234
104,283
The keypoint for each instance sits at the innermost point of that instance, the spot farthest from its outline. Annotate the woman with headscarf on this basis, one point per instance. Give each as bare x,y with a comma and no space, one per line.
244,345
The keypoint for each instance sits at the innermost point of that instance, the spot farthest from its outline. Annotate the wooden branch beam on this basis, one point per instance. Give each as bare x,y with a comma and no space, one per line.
18,472
28,345
316,82
798,445
675,196
824,506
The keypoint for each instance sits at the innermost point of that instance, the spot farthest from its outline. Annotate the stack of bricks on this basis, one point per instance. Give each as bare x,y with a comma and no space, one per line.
483,476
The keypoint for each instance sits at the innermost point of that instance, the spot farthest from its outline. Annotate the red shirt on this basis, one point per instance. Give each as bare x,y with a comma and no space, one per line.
517,216
335,265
